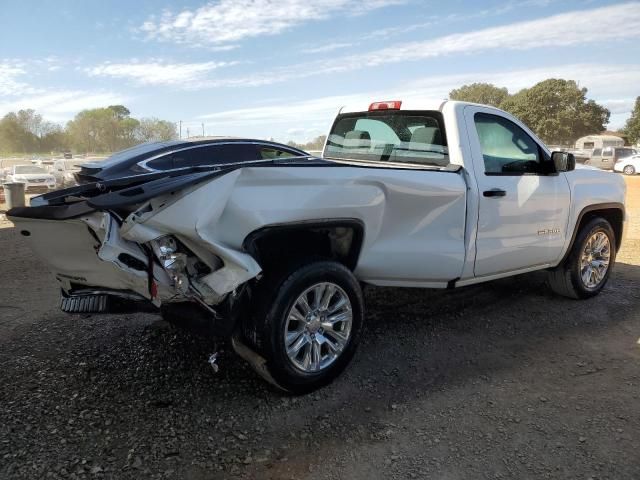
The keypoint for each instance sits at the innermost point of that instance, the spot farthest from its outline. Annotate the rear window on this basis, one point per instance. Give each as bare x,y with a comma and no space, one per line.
389,136
624,152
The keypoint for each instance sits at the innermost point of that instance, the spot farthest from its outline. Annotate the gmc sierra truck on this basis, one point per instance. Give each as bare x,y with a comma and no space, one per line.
273,251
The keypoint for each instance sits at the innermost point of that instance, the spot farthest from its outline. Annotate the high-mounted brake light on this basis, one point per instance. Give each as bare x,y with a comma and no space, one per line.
392,105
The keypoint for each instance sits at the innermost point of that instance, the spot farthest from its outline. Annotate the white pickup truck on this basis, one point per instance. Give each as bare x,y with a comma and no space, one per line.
273,251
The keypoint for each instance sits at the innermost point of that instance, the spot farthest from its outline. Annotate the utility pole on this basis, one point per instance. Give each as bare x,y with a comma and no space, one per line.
203,129
187,132
180,135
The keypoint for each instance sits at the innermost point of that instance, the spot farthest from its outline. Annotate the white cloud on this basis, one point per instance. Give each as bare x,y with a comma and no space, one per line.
619,106
582,27
324,107
10,83
567,29
329,47
601,80
611,85
228,21
55,105
59,106
185,75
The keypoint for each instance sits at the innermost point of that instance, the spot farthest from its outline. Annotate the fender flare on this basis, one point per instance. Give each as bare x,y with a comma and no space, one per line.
590,209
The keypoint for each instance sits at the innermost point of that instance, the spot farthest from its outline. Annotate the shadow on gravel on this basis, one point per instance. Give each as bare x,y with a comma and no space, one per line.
127,393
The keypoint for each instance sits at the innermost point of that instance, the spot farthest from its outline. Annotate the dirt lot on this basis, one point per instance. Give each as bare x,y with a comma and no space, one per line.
497,381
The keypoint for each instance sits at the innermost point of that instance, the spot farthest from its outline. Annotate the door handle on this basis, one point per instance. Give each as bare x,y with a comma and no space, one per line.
494,192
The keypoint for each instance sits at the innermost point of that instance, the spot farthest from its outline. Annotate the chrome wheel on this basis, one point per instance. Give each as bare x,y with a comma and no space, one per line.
595,258
318,327
629,170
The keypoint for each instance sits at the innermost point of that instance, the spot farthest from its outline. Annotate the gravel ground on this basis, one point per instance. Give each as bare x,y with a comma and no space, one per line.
503,380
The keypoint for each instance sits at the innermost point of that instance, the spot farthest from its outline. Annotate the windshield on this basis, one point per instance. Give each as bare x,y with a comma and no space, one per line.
389,136
29,169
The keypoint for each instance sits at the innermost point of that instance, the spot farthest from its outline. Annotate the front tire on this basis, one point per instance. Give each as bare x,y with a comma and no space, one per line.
629,170
586,270
307,324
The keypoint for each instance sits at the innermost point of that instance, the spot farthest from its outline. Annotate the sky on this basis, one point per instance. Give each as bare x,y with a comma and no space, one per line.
282,68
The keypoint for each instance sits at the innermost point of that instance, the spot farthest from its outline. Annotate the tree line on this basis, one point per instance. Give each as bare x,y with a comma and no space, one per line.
315,144
96,130
556,110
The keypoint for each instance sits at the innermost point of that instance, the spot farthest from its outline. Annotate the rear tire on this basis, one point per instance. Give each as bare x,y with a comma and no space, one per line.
629,170
306,324
583,273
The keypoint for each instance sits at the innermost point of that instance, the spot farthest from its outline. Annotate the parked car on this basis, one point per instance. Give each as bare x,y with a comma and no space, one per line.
273,252
35,178
64,171
181,154
628,165
605,158
67,155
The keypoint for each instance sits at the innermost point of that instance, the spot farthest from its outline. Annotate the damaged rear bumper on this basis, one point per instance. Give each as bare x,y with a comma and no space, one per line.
103,251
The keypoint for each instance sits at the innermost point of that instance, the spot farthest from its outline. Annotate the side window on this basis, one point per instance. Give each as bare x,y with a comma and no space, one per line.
506,148
162,163
607,151
206,155
596,152
272,153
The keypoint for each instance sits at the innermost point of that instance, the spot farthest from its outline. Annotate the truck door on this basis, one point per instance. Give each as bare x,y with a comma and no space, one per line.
523,212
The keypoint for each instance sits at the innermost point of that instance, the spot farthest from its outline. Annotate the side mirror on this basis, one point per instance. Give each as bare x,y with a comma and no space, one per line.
563,161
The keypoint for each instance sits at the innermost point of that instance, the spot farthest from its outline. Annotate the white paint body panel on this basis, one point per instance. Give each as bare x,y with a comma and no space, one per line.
414,219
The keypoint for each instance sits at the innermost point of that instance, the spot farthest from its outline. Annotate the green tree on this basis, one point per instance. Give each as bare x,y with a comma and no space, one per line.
484,93
120,111
93,130
16,132
155,130
97,130
557,111
632,127
54,139
315,144
103,129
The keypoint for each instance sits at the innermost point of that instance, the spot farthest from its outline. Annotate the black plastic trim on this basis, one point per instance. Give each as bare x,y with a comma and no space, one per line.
146,191
52,212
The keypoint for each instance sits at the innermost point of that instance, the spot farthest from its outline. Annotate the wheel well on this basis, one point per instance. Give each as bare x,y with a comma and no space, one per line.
339,240
614,216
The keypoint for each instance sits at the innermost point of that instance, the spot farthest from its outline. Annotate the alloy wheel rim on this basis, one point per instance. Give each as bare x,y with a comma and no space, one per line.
595,259
628,170
318,327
